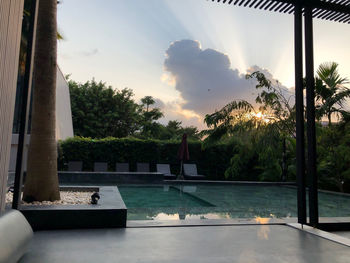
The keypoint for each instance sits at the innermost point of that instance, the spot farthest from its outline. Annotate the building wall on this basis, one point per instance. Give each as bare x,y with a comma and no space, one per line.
10,33
64,123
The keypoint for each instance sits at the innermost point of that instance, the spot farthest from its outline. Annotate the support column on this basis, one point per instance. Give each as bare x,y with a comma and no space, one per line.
310,113
25,106
299,105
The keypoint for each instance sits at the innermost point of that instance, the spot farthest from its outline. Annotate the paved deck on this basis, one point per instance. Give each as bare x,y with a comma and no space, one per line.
249,243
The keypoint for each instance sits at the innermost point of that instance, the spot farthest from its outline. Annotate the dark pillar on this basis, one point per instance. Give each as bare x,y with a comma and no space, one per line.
310,113
299,105
25,107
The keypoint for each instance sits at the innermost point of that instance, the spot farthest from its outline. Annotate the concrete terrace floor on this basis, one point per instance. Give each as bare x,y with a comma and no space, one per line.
237,243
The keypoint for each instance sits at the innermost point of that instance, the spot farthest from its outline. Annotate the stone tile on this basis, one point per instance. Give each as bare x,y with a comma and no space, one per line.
251,243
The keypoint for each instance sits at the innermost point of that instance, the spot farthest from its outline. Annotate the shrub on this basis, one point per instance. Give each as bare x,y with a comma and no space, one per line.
211,161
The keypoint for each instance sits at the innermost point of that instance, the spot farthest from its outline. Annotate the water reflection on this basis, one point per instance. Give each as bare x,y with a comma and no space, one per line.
264,230
182,202
186,216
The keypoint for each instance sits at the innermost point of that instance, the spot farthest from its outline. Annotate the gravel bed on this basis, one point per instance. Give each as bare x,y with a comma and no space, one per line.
67,198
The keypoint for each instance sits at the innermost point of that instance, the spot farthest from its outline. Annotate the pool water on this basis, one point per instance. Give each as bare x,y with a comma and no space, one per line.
149,202
153,196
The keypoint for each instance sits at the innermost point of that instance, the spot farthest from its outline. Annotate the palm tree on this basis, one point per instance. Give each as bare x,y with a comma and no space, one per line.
330,91
42,180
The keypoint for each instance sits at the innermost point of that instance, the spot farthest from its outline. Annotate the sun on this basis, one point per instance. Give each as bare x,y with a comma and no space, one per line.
259,115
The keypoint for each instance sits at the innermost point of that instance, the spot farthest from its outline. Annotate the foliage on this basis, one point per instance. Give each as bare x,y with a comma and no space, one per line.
99,111
274,112
258,154
174,131
274,103
230,119
149,128
330,91
334,157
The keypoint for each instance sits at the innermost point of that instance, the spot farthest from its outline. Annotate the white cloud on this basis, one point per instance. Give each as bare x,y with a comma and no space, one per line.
205,78
206,81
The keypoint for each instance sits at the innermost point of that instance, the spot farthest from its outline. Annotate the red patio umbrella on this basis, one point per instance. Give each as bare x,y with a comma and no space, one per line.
183,154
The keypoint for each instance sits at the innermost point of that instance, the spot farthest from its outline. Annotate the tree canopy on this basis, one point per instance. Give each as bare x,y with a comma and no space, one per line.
99,111
331,91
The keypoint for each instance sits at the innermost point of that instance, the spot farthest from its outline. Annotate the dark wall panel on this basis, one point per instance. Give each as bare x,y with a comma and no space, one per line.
10,34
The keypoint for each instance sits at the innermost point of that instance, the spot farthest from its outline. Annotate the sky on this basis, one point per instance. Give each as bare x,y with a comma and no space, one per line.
191,55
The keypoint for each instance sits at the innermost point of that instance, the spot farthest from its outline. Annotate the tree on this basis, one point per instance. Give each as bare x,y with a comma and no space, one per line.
149,128
99,111
259,134
42,180
334,156
148,100
174,131
330,91
274,111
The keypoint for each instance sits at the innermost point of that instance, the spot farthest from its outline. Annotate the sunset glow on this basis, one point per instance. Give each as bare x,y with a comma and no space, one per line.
124,43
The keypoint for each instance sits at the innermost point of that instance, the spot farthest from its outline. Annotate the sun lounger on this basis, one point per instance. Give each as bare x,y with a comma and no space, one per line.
190,172
75,166
142,167
100,167
165,170
122,167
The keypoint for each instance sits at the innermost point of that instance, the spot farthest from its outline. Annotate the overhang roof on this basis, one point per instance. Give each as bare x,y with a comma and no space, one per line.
333,10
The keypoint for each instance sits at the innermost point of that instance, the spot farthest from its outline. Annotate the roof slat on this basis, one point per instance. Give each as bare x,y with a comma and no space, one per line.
264,4
335,16
343,18
246,3
259,3
340,16
322,14
279,6
287,10
330,16
269,5
274,5
334,10
347,21
291,10
326,14
252,3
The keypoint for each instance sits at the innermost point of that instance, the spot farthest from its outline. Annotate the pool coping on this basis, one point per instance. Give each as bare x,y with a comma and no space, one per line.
244,222
320,233
229,221
111,208
227,182
67,177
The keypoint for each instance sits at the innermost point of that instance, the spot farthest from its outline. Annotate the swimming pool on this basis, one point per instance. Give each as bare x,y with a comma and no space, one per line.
166,202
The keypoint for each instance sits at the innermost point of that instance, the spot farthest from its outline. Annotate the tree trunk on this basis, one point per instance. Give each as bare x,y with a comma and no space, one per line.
329,119
42,180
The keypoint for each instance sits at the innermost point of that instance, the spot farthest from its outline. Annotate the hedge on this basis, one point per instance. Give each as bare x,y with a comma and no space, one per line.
211,161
